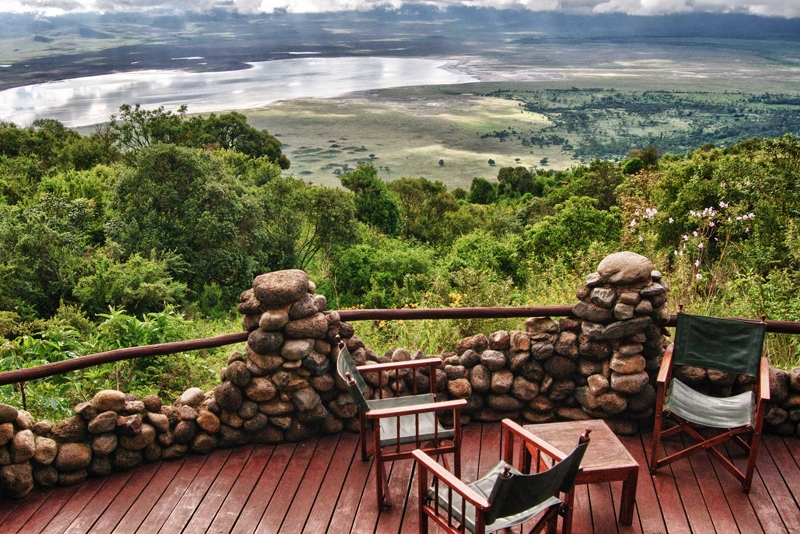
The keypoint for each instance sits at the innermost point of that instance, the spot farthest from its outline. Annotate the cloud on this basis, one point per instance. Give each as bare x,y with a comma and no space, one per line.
770,8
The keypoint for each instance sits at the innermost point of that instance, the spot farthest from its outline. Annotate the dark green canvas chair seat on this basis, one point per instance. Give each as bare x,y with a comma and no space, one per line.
505,496
728,345
402,423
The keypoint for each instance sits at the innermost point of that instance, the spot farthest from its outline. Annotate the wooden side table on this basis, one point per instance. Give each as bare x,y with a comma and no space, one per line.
606,460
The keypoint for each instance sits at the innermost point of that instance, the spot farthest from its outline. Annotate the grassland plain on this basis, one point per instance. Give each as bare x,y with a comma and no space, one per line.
549,105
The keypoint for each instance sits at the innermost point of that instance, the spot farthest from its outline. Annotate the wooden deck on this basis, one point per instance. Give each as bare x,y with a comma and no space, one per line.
322,486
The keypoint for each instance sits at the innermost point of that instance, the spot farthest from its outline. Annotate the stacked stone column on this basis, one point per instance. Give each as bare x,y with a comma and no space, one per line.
622,310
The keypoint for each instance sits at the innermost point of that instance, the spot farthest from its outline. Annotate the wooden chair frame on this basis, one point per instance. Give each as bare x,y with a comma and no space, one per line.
749,443
399,451
515,442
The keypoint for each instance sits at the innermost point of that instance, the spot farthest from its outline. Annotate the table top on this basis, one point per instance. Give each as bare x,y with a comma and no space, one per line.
605,451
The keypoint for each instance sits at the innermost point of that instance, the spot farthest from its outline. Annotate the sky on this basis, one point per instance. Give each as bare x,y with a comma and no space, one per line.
770,8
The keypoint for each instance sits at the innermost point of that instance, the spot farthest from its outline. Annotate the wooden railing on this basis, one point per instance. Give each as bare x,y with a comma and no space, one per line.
56,368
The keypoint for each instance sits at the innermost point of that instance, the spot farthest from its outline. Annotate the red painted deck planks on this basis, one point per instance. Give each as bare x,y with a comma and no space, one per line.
265,488
688,488
171,495
335,492
366,516
64,518
286,491
329,492
147,499
582,512
96,506
216,494
780,494
648,507
117,509
672,511
713,493
7,506
490,448
26,516
758,498
600,500
399,488
195,492
237,497
309,490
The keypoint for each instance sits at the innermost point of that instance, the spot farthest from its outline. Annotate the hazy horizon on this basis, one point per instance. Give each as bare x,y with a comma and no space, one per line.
765,8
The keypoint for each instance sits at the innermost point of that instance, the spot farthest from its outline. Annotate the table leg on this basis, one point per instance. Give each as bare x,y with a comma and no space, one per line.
628,497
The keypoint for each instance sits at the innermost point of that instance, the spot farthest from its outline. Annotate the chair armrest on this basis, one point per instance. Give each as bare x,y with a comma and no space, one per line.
450,480
510,428
763,381
418,408
665,371
425,362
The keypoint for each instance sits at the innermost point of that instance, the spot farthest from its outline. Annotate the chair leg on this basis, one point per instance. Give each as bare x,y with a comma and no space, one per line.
363,437
755,443
656,440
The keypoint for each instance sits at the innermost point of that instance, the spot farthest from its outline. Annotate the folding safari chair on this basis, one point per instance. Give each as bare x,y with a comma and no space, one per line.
728,345
403,423
505,496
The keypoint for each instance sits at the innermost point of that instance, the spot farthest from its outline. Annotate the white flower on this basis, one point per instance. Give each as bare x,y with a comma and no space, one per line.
695,233
698,276
633,222
700,245
697,263
675,252
671,220
711,224
722,204
641,238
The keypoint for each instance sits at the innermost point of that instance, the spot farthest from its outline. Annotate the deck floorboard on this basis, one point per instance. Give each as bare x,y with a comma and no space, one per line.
322,485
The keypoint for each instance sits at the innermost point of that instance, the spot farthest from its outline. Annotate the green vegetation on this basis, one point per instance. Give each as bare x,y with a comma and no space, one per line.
147,231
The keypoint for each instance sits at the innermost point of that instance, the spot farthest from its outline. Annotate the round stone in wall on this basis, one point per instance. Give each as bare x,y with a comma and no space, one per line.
279,288
625,268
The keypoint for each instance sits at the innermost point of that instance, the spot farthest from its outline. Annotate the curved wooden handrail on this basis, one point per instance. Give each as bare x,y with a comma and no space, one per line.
408,314
82,362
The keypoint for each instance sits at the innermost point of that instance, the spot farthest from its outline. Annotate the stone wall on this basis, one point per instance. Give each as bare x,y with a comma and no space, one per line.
598,363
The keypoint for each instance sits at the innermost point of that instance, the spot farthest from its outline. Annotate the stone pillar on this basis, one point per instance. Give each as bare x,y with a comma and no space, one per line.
622,309
278,390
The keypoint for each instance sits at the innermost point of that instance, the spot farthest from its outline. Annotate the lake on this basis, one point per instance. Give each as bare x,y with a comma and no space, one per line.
91,100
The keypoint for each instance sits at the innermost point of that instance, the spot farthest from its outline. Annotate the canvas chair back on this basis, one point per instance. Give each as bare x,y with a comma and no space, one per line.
729,345
355,382
514,494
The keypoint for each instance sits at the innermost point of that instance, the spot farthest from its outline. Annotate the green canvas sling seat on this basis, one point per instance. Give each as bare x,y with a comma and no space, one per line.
505,496
401,423
728,345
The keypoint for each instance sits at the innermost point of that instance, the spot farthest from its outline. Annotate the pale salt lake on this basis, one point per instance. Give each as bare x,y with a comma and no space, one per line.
91,100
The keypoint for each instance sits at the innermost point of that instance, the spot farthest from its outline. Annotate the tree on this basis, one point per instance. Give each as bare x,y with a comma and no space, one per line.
572,229
302,221
138,128
517,180
482,191
649,155
184,201
424,204
231,131
633,166
375,205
